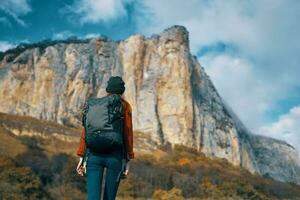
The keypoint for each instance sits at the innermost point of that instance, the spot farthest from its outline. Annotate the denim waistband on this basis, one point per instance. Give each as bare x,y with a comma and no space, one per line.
118,153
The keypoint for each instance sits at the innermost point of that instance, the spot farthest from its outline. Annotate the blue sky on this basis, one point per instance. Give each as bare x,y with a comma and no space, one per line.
250,48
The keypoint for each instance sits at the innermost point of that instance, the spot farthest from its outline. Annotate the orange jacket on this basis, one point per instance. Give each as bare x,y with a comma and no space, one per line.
127,133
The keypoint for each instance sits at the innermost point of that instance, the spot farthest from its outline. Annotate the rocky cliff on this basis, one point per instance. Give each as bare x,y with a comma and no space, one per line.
172,98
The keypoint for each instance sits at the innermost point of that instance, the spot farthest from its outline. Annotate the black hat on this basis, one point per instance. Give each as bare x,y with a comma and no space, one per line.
115,85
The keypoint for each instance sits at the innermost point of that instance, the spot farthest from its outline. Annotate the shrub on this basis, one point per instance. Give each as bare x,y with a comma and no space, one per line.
174,194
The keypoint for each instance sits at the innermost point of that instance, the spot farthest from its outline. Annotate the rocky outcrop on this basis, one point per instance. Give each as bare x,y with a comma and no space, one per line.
172,98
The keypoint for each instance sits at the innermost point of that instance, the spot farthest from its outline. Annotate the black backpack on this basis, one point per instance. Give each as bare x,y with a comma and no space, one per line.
103,123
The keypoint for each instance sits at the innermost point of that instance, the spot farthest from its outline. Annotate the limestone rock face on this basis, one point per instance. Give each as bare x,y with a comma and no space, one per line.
172,98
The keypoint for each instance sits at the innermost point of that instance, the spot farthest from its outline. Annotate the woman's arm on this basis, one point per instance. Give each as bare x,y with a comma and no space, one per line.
80,152
128,130
82,147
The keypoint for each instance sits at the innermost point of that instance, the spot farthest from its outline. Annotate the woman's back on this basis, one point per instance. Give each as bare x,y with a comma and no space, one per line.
114,160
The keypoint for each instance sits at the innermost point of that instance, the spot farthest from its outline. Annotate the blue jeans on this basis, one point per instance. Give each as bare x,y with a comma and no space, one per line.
95,166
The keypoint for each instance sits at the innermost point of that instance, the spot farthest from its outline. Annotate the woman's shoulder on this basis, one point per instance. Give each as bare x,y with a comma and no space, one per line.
126,104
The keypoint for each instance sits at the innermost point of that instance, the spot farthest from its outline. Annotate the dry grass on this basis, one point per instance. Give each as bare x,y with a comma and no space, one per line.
10,144
191,173
36,125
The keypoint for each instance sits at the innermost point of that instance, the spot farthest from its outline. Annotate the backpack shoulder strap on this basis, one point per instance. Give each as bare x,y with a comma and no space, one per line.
83,113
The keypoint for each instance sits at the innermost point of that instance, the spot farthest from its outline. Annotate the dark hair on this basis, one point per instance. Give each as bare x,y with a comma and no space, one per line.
115,85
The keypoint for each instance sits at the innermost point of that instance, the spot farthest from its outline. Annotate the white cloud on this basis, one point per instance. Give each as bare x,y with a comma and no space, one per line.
92,35
62,35
245,23
6,45
237,83
94,11
286,128
15,9
264,67
66,34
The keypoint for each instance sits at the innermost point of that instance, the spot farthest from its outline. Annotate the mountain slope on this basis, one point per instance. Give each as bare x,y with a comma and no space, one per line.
42,166
173,99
